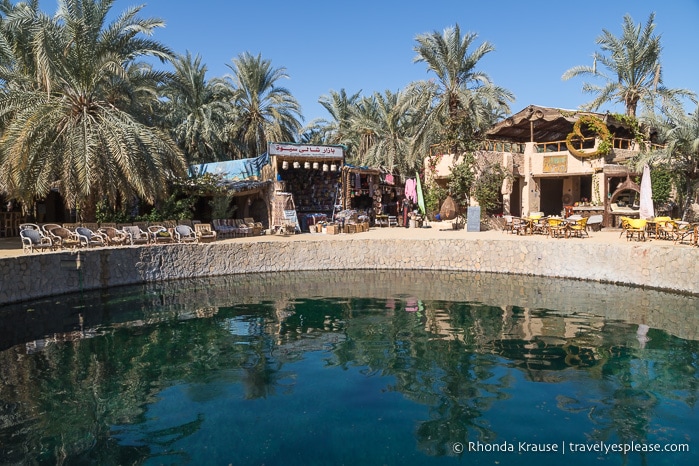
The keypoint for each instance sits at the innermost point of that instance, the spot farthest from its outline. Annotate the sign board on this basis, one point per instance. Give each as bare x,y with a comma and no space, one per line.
555,163
290,216
306,151
473,218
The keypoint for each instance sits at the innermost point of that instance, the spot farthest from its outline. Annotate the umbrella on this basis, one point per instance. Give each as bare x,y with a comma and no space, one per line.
420,197
645,209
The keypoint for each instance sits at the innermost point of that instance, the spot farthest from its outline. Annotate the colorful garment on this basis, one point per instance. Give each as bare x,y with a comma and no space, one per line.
411,189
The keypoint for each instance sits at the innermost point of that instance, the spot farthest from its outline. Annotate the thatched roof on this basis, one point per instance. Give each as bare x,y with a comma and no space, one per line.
549,124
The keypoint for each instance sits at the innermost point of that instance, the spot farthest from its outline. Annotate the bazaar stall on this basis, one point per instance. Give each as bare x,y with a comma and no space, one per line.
361,191
308,178
392,194
371,192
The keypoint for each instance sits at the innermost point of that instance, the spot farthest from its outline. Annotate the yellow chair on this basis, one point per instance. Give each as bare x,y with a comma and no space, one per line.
557,228
684,231
634,227
665,228
579,228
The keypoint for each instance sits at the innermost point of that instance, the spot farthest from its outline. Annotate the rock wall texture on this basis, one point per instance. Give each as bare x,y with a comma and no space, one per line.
46,274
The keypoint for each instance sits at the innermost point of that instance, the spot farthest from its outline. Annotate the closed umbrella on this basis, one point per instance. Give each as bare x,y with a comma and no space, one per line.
420,197
646,209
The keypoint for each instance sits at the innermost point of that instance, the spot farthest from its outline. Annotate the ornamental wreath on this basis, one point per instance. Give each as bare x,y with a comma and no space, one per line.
596,125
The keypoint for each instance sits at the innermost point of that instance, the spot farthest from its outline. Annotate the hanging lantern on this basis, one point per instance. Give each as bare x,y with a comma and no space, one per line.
325,167
285,165
316,165
307,165
297,165
333,167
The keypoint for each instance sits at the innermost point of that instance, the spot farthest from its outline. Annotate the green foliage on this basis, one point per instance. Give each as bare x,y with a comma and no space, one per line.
106,213
487,188
153,216
434,195
631,70
662,184
177,208
203,185
221,206
461,181
77,106
632,122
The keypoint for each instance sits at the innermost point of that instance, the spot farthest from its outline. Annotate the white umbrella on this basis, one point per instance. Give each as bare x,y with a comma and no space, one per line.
645,209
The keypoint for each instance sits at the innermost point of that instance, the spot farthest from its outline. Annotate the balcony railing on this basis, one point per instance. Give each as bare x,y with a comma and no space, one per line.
560,146
503,146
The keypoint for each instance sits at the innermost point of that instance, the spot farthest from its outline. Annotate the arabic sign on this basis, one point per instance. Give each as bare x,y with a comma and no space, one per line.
555,164
302,150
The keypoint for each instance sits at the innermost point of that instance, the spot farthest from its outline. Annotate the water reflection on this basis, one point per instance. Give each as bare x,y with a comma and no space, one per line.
380,367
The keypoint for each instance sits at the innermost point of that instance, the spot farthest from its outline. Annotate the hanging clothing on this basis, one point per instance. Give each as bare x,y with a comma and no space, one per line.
407,205
389,179
411,189
357,181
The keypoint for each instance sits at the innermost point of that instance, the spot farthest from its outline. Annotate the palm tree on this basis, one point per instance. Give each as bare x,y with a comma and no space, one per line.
464,99
266,112
337,130
198,110
680,155
73,106
384,126
635,72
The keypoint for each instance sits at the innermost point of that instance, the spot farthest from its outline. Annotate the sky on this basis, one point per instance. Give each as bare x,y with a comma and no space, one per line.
368,46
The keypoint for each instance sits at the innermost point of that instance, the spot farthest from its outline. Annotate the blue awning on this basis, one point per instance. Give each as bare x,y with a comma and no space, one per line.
233,170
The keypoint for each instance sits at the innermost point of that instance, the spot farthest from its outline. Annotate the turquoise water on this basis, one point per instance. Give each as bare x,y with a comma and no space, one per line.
356,368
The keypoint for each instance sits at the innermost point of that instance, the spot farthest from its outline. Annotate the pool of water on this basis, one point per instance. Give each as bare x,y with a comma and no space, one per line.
360,367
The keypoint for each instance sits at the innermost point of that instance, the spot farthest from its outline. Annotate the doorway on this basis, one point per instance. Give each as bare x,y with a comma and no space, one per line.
551,195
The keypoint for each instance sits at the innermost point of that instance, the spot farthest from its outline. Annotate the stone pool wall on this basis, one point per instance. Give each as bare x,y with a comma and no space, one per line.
659,267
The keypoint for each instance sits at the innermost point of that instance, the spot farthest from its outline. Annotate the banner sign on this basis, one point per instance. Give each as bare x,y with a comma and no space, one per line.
555,163
303,150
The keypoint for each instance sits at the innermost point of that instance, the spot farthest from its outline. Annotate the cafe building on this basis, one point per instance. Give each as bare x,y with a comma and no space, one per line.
565,162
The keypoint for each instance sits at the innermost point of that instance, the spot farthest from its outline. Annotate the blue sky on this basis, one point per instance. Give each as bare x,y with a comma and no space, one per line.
368,45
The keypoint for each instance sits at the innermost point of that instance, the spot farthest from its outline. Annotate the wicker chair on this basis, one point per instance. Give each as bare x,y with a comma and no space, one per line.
160,234
114,236
256,226
204,232
242,228
185,234
90,238
34,240
64,238
579,228
634,227
557,228
136,235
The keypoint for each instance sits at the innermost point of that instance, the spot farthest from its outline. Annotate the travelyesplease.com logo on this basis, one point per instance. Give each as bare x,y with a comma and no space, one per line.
564,447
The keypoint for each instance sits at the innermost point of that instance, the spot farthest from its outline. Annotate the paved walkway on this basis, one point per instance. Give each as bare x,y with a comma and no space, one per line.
12,247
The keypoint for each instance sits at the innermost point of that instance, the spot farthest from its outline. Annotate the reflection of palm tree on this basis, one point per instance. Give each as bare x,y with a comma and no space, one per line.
420,363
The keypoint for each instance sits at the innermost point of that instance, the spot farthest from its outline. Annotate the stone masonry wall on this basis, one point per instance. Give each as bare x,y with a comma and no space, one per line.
658,267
